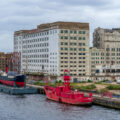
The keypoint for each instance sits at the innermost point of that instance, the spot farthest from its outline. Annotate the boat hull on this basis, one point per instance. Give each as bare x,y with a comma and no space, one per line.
80,101
19,82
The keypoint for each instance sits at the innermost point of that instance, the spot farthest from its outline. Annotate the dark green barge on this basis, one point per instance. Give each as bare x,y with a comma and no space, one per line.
17,90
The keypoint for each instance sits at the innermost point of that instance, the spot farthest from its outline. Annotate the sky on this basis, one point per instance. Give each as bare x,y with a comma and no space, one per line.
27,14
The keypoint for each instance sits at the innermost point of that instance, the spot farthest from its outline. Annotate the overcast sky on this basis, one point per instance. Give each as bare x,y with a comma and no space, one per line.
27,14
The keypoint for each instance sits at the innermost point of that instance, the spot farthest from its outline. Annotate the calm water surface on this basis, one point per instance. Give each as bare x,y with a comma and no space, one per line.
36,107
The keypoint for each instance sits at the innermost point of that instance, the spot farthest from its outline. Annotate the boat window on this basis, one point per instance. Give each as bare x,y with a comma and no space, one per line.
66,73
12,73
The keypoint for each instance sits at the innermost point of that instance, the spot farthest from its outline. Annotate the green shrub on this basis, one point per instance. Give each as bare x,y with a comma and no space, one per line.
115,80
89,80
105,80
98,82
113,87
88,87
82,82
60,81
92,86
103,90
39,83
56,82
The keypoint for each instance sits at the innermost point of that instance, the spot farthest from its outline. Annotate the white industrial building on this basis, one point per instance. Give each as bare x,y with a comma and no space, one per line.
53,47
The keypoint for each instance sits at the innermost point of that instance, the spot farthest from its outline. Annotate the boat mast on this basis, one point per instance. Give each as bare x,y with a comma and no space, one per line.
66,78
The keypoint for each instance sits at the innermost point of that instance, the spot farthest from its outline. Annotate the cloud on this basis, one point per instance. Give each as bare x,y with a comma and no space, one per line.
27,14
6,44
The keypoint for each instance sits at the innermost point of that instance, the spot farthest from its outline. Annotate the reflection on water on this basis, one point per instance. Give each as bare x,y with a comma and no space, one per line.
37,107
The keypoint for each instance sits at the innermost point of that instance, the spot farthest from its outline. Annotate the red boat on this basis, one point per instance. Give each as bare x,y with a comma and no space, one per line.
64,93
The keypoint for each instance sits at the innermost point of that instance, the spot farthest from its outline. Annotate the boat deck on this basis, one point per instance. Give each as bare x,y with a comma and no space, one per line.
17,90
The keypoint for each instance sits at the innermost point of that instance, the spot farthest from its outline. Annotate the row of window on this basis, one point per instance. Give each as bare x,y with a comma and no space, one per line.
73,62
37,61
73,31
109,71
73,53
97,54
112,54
72,58
53,61
112,49
36,45
97,62
53,57
36,40
73,66
72,43
16,42
37,65
40,34
36,56
53,53
36,50
93,58
74,49
32,70
107,54
111,62
74,74
41,65
73,38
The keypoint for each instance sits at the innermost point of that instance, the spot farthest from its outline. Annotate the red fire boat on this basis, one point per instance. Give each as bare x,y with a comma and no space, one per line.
64,93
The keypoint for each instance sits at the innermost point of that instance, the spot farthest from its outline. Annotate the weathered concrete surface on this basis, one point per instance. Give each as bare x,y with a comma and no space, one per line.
106,101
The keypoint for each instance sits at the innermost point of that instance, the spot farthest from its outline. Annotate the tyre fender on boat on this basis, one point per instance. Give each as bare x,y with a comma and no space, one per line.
14,84
60,100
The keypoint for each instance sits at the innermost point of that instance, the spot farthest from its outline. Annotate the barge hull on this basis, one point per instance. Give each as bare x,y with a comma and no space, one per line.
17,90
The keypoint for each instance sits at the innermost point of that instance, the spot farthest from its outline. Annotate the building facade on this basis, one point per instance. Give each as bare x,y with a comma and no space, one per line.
2,61
107,41
9,62
53,47
97,59
6,59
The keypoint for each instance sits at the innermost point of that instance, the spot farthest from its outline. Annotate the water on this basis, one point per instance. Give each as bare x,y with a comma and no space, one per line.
36,107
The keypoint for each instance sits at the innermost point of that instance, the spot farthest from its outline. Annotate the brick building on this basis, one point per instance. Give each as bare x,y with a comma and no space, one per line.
6,59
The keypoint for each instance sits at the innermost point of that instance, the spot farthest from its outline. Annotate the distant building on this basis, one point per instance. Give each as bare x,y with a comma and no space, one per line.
106,41
16,61
9,62
53,47
2,61
6,59
97,58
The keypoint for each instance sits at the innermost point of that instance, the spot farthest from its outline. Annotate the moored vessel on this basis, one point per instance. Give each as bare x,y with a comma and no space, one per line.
12,79
65,94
